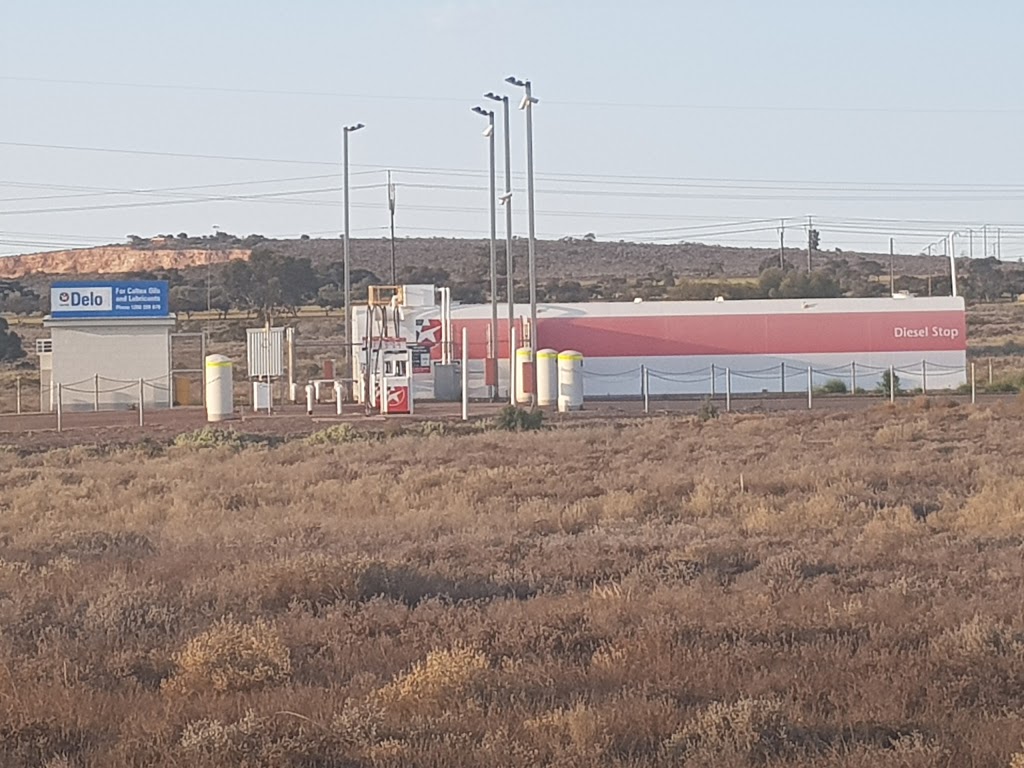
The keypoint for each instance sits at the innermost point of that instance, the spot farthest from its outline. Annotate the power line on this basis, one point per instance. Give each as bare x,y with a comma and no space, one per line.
633,180
817,108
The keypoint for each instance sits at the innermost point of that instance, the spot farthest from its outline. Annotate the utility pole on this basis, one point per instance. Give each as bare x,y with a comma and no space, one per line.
999,243
391,208
892,270
984,241
970,242
782,243
810,229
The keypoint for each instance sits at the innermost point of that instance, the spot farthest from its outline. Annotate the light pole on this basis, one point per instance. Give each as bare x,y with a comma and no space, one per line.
492,355
506,200
346,130
527,105
216,234
952,260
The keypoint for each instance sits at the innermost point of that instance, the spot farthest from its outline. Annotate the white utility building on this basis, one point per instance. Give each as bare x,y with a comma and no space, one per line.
108,342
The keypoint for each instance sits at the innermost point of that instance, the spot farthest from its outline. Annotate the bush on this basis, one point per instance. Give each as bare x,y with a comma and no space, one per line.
231,657
707,410
10,343
748,729
433,429
512,418
336,434
209,437
883,384
832,387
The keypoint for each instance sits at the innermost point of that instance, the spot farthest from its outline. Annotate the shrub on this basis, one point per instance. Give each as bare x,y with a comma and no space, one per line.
512,418
210,437
445,674
433,429
231,656
749,728
336,434
883,384
832,387
707,410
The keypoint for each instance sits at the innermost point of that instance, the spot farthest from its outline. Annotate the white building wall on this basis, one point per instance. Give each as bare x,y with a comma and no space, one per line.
119,353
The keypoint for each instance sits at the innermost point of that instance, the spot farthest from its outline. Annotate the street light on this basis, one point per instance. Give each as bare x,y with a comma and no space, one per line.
492,350
527,105
346,130
216,234
506,200
952,260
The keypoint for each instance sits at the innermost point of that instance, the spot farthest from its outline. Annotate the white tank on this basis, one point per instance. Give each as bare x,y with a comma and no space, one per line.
524,383
570,380
219,388
547,377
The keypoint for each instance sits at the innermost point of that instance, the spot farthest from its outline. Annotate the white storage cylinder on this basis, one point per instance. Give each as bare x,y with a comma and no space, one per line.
524,382
219,388
547,377
570,380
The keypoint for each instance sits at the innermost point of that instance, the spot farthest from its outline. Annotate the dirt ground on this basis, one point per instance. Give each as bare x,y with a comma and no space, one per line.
37,431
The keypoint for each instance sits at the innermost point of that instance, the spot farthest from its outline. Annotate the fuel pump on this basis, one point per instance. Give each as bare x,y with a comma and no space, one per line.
386,359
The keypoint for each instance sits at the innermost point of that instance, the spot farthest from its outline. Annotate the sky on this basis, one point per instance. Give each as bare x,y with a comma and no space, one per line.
656,120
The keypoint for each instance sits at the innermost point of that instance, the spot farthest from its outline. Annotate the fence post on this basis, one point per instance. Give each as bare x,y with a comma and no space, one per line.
712,380
892,384
728,390
853,377
990,371
96,392
645,386
18,394
465,375
60,406
810,387
142,403
924,377
974,385
783,367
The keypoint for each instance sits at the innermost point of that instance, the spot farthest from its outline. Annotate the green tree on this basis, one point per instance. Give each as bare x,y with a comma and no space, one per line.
187,299
10,343
330,297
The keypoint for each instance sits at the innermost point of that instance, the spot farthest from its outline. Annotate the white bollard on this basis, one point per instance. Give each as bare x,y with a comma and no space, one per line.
142,403
645,384
339,396
310,398
19,395
60,406
810,387
512,366
974,385
728,390
465,374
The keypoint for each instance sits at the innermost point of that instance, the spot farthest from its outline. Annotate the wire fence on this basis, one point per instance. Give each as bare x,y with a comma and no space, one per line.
785,378
102,393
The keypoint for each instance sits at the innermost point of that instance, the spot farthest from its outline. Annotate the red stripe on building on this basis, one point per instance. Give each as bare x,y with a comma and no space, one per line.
766,334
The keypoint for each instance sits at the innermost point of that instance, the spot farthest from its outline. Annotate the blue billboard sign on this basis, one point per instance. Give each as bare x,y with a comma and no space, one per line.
95,300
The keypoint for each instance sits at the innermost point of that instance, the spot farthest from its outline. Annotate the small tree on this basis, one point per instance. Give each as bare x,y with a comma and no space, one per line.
10,343
885,383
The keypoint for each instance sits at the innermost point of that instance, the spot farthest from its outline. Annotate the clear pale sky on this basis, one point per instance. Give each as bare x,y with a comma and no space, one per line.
664,121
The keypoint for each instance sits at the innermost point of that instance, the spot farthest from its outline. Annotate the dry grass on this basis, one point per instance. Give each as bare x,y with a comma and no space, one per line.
799,590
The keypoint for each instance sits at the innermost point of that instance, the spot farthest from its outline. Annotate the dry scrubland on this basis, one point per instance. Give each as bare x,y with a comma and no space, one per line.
798,590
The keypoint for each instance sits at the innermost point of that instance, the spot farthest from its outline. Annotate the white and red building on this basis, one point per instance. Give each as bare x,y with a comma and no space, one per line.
688,346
